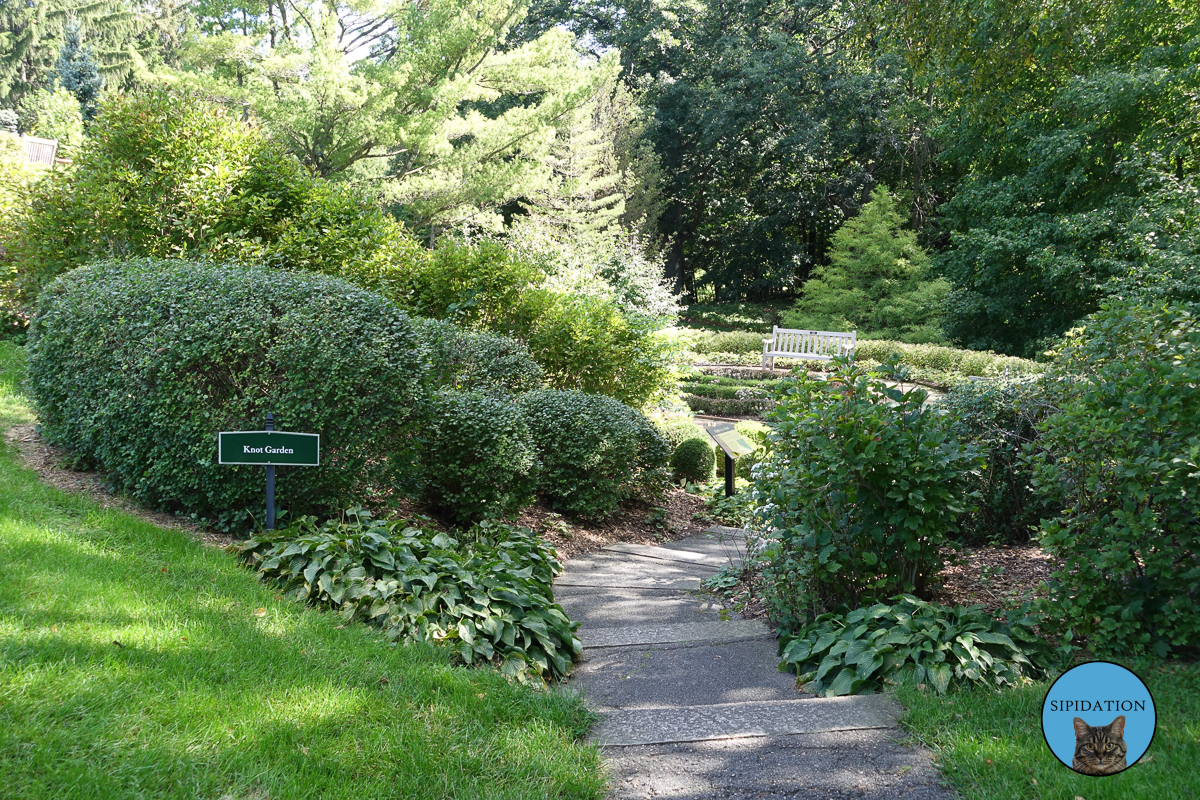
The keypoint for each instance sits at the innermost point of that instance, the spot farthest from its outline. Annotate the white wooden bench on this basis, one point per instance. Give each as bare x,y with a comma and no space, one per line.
40,151
807,345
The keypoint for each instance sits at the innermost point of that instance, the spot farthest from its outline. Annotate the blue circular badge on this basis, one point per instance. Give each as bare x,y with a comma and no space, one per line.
1098,718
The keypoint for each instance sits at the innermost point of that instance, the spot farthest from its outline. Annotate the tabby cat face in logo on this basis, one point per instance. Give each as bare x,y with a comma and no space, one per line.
1099,750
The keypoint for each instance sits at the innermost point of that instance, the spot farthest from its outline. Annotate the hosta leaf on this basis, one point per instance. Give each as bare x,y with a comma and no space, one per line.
939,676
827,664
797,650
858,649
868,667
822,644
845,683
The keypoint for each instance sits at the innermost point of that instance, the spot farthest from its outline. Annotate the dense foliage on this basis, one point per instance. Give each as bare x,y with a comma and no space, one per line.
582,341
913,642
877,281
863,487
1122,457
469,360
486,594
1000,418
163,174
595,451
479,460
134,366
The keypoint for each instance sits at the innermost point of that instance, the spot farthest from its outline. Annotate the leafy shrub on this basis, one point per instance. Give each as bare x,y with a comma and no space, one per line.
677,430
913,642
693,460
863,487
586,343
582,342
488,595
1000,419
54,114
136,365
167,175
1122,458
595,451
468,360
480,461
18,180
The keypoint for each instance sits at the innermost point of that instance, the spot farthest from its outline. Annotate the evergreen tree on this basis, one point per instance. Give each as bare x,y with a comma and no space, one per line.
877,280
76,71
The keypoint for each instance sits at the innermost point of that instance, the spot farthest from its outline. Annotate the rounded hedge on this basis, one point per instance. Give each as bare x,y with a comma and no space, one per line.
481,461
595,451
135,366
468,360
694,460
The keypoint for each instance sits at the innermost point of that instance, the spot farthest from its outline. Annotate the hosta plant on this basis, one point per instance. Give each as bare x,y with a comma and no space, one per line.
916,642
487,595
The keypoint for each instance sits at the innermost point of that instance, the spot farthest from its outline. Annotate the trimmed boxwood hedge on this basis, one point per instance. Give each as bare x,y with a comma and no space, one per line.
135,366
595,451
480,461
469,360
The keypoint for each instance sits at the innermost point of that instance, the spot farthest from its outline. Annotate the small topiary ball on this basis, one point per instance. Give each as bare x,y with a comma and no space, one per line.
693,460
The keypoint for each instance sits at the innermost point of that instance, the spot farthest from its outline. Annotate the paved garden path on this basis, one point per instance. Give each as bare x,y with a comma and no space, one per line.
691,703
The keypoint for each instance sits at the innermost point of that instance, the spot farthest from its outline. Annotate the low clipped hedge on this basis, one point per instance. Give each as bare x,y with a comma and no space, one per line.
480,462
469,360
135,366
949,361
595,451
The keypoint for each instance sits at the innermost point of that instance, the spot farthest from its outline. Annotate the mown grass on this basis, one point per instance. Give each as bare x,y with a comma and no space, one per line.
989,744
138,663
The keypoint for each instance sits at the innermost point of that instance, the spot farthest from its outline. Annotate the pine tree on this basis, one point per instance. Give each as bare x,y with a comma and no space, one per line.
877,280
32,36
76,71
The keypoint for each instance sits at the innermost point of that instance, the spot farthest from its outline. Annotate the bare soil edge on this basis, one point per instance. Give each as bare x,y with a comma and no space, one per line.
46,460
682,514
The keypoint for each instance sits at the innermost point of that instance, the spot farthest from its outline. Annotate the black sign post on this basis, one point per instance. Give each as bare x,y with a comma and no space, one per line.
733,444
270,426
270,448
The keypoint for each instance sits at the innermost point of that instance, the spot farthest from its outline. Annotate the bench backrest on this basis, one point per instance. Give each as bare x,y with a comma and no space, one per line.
40,151
817,343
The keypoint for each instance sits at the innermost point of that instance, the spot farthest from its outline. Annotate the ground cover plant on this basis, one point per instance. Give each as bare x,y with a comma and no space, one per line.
485,594
137,662
135,366
753,317
989,745
913,642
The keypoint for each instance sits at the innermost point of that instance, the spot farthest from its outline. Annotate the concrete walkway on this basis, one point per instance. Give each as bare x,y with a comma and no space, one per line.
691,702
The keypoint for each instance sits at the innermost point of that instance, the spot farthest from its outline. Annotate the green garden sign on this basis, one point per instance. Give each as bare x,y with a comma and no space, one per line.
734,444
269,448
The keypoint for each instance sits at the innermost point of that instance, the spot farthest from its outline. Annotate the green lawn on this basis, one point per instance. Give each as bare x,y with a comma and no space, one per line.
989,744
135,662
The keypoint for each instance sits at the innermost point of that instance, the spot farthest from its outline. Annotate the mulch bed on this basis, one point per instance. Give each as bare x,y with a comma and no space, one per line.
682,514
998,578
